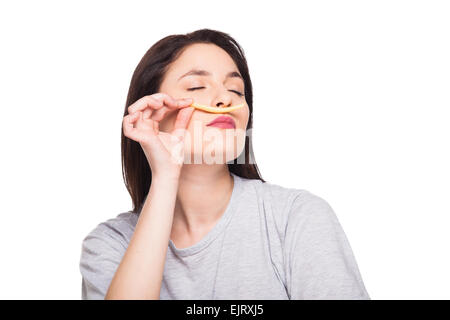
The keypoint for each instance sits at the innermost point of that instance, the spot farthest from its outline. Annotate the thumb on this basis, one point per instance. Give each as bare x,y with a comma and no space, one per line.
182,122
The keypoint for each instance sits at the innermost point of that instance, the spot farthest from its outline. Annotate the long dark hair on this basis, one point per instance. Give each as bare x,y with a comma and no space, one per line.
147,79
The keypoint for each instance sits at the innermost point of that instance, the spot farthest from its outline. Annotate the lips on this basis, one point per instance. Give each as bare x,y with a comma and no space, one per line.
223,122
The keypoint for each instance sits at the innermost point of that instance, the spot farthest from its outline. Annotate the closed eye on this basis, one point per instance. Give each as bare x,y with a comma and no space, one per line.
237,92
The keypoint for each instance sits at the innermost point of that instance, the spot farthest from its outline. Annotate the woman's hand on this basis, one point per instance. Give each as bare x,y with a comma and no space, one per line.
164,151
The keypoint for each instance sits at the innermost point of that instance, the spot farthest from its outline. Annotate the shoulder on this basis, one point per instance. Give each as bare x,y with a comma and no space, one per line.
288,204
311,213
312,224
288,207
308,205
317,252
115,231
270,191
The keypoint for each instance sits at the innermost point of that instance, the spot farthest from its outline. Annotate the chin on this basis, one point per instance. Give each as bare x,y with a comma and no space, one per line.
213,153
214,146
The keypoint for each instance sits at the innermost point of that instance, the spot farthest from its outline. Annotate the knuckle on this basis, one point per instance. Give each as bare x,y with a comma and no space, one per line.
149,98
156,100
160,95
167,98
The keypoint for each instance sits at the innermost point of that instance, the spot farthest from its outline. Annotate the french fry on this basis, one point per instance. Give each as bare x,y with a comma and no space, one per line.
216,109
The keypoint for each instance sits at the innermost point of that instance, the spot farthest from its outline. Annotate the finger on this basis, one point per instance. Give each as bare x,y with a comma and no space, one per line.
158,100
147,113
145,102
171,102
185,102
143,124
159,114
128,126
182,121
144,128
156,127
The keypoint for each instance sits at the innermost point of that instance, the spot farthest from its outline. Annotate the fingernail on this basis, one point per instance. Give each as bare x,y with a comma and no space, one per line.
184,102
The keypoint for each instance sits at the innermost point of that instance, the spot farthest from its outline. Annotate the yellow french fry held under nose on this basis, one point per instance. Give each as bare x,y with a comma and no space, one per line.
216,109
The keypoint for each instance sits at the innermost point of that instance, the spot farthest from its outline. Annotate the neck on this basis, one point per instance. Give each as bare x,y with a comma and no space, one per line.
203,194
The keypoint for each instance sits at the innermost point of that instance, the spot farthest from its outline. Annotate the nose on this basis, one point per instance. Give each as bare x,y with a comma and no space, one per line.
222,105
223,100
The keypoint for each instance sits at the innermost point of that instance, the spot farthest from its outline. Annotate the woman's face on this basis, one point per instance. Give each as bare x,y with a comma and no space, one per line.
207,144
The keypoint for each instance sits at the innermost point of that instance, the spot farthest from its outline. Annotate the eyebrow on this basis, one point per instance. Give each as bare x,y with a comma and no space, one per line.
195,72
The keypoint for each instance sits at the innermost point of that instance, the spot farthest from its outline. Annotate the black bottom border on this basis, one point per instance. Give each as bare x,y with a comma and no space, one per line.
226,309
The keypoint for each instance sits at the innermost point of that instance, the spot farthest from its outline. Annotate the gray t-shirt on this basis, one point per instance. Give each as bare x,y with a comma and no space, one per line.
272,242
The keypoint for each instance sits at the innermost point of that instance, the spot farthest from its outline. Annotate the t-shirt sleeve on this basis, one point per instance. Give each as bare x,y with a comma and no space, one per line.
319,260
101,253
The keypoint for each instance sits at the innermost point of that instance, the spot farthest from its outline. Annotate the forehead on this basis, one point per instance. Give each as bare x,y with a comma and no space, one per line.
202,56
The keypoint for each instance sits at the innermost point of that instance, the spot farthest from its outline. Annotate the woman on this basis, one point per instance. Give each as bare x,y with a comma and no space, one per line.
205,225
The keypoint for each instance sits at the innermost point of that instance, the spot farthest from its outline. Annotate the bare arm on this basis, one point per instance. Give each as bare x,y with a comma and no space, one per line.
139,275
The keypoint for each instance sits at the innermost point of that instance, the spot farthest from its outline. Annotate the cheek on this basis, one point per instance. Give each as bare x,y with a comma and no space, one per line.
243,117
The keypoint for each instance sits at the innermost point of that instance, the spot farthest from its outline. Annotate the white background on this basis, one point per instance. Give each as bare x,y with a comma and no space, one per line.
351,102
